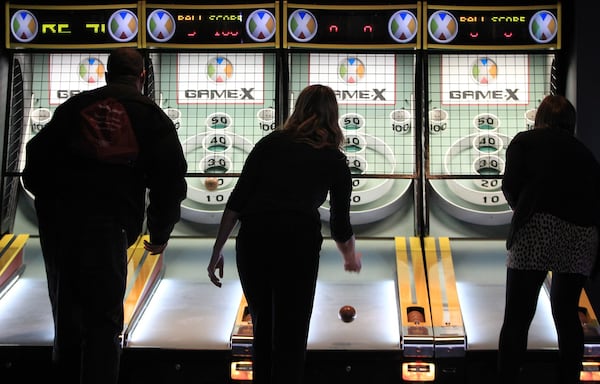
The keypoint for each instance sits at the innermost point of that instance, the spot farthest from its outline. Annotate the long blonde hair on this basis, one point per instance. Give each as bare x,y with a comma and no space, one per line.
315,118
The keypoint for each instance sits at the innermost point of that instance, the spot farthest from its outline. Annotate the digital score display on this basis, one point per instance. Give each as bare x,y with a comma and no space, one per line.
31,26
493,28
187,26
361,26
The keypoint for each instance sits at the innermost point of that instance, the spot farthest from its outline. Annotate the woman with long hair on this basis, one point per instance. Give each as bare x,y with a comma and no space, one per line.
552,183
284,181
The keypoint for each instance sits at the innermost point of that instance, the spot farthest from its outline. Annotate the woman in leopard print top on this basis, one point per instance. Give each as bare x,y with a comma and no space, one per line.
552,183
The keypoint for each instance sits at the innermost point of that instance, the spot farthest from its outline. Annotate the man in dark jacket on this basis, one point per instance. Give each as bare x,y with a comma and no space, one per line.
89,170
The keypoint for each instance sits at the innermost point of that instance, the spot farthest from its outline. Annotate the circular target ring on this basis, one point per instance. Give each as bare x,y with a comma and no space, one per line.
486,197
202,203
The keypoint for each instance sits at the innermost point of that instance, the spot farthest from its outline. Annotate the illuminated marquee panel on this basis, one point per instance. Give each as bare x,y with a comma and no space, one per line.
188,26
33,26
527,27
377,26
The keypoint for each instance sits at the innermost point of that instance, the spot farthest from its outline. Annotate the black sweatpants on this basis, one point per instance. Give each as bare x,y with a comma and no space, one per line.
522,292
86,268
278,262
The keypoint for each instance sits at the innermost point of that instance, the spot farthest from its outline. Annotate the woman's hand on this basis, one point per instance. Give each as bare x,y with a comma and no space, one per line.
352,259
353,264
216,263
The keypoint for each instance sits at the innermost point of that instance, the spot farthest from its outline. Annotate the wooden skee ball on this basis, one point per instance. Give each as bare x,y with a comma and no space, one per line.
415,316
347,313
211,183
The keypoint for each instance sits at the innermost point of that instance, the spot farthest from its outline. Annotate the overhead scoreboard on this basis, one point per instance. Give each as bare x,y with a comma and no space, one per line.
211,26
352,26
72,26
493,28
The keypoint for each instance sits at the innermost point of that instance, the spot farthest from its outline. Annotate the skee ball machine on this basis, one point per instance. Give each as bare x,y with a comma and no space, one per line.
368,54
213,68
487,69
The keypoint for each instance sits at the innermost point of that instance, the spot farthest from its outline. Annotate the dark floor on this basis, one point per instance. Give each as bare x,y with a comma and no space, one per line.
154,366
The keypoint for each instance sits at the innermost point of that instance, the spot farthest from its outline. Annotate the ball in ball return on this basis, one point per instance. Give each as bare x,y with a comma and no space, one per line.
347,313
416,316
211,183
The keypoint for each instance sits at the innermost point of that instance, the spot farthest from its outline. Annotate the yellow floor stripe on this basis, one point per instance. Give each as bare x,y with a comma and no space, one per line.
420,278
403,277
445,306
142,274
138,241
412,281
435,288
141,285
455,316
135,255
12,252
5,240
